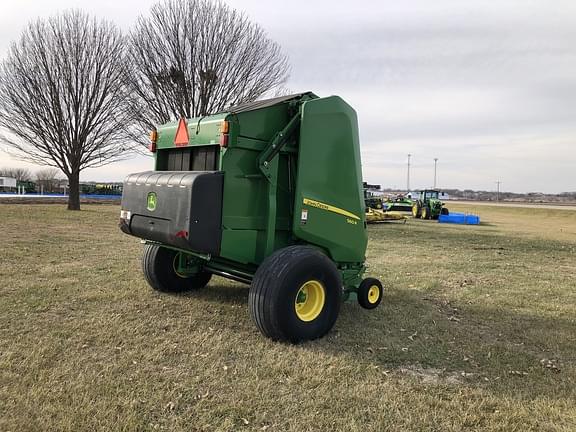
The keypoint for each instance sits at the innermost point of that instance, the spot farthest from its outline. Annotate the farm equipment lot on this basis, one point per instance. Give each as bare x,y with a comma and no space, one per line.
476,331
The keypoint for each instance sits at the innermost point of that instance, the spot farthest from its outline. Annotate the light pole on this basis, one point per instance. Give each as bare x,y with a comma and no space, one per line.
408,175
435,164
498,191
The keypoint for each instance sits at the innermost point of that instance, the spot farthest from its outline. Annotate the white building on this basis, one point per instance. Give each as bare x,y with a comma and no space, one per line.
7,184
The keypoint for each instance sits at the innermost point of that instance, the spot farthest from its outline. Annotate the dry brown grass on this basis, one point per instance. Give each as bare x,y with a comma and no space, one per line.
477,332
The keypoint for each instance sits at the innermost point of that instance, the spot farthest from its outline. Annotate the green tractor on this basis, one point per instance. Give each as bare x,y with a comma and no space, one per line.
372,196
428,205
267,193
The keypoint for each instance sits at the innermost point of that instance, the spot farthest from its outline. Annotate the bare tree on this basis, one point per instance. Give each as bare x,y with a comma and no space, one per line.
20,174
48,179
63,96
195,57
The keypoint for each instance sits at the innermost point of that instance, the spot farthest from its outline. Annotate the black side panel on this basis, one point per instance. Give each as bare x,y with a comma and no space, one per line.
185,165
211,159
206,214
178,160
150,228
198,158
187,209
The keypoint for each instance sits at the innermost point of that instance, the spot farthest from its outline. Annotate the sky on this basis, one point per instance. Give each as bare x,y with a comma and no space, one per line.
488,87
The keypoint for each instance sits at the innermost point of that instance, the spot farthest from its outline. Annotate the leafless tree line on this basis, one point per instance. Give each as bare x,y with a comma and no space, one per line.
75,93
20,174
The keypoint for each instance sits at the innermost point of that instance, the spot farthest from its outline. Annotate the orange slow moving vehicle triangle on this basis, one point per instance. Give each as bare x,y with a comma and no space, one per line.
181,138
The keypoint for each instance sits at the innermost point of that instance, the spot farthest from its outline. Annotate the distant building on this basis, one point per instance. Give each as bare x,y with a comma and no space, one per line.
8,184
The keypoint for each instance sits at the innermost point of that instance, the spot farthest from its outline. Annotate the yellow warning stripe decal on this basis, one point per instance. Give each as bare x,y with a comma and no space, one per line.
328,207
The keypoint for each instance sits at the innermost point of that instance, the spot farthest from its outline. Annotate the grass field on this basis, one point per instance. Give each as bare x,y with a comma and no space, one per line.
477,331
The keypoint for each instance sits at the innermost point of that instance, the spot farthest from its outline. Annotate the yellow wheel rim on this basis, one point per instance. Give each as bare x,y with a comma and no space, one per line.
373,294
424,213
310,300
414,211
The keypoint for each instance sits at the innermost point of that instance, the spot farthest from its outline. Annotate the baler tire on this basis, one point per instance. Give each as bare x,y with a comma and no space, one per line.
274,296
370,293
158,269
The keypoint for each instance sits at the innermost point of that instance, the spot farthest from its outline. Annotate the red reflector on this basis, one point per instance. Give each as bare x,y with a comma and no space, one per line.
224,140
152,147
181,138
182,234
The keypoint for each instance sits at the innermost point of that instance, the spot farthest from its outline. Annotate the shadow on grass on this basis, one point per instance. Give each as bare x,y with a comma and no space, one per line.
490,347
487,224
504,351
233,293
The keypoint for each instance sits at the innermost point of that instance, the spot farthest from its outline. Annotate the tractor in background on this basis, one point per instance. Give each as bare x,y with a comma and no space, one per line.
372,196
428,205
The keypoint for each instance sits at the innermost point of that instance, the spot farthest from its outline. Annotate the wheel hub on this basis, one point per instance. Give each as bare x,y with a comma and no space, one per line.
310,300
373,294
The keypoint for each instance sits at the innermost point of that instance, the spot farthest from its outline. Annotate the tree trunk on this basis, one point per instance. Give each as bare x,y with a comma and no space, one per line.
74,191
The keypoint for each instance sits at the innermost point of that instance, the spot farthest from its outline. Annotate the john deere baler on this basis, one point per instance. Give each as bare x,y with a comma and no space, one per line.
268,193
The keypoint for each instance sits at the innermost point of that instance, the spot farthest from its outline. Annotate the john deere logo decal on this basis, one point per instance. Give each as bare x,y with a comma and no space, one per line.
151,201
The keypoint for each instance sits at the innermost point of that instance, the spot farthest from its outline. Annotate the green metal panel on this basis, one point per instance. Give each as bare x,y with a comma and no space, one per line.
329,202
201,131
246,205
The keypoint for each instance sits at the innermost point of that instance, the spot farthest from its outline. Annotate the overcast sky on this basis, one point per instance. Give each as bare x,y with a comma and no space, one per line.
488,87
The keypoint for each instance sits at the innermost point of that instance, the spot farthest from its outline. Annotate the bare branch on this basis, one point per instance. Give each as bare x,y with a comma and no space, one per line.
48,180
64,97
20,174
194,57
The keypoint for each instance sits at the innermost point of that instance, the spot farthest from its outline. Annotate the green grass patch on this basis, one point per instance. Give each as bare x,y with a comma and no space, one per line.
477,331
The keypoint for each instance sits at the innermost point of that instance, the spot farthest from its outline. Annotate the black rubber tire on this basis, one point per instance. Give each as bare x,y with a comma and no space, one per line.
418,212
444,211
275,287
425,213
363,293
158,268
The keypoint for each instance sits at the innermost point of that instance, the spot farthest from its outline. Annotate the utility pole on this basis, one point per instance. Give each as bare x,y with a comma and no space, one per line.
408,175
498,191
435,164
